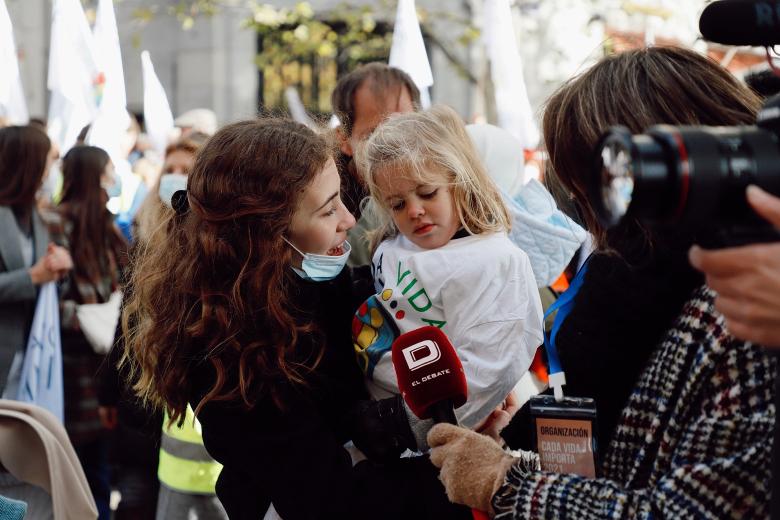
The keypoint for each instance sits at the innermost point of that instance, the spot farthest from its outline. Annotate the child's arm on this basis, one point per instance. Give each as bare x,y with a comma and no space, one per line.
498,419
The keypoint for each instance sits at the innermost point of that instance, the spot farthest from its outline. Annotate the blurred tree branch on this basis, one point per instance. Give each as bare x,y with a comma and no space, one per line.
350,34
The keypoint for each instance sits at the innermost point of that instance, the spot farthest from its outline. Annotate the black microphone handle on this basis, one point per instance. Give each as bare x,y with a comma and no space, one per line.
444,412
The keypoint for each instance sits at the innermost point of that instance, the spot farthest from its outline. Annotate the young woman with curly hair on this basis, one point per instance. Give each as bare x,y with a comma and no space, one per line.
242,309
83,224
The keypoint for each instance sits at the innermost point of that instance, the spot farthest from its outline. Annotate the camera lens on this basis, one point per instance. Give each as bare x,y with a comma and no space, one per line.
631,176
617,178
692,176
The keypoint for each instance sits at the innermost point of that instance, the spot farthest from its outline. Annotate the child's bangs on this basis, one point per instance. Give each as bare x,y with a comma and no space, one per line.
413,168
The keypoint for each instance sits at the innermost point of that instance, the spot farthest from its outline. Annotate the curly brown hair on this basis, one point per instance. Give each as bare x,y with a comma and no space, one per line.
214,287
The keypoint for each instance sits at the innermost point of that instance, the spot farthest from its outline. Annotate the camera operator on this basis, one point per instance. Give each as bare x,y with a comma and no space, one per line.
747,282
747,279
697,415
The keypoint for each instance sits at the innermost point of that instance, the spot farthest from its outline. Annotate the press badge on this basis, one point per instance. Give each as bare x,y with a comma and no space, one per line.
564,427
565,433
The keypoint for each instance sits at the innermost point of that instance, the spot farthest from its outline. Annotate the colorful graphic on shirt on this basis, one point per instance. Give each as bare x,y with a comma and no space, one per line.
386,295
373,332
416,296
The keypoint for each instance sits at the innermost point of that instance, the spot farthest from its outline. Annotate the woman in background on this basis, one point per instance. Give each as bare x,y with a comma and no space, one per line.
27,260
179,159
99,254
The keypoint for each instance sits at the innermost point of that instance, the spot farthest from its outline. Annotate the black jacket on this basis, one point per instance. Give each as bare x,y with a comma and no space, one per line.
136,439
294,458
628,300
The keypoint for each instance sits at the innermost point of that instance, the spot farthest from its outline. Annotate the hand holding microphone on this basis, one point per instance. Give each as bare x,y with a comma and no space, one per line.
473,466
432,382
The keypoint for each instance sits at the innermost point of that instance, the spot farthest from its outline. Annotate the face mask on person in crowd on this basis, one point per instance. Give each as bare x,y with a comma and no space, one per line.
115,188
321,268
170,183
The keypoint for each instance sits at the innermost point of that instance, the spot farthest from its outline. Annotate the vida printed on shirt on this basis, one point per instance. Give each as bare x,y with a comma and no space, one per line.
480,290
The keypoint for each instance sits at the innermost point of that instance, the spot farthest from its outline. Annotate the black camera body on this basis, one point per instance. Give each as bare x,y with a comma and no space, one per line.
692,177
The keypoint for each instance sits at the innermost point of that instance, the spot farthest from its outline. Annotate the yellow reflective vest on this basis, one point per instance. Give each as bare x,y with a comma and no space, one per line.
185,465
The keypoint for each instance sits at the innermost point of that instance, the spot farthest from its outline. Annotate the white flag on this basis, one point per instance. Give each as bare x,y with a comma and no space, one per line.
408,50
297,110
158,118
512,104
13,106
112,121
75,81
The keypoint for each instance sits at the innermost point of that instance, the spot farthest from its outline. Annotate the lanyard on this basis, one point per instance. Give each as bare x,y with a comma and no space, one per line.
564,304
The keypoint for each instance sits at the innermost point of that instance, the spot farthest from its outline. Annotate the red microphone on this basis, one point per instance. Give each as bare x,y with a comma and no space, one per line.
430,375
431,378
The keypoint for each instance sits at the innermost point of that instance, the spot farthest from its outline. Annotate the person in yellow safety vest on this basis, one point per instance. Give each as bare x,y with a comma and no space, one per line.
187,474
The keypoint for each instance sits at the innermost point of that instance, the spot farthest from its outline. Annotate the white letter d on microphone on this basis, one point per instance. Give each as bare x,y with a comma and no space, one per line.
421,354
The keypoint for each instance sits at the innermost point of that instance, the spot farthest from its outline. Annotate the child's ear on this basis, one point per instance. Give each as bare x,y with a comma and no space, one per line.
344,144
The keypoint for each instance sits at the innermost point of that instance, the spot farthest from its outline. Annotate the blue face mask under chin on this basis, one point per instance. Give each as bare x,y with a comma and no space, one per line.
321,268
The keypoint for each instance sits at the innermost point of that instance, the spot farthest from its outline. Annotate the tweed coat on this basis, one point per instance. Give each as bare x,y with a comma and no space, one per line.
694,440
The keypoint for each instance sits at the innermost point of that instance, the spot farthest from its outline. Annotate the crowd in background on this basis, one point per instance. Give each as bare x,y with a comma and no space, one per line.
685,410
58,227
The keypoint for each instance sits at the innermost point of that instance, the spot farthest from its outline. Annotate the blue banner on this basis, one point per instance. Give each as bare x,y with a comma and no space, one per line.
41,381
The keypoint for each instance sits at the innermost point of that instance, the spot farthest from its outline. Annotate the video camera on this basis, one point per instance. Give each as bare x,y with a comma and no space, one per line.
695,176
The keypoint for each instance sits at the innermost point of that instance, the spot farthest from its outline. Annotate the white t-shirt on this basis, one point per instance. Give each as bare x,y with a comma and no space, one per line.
480,290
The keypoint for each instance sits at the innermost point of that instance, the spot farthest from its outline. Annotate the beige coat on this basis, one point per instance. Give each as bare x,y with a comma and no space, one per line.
35,449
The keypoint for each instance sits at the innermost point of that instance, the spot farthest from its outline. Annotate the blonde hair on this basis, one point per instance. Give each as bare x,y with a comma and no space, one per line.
415,143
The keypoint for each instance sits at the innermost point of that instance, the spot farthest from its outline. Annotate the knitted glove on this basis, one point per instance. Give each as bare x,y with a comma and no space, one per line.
473,466
380,429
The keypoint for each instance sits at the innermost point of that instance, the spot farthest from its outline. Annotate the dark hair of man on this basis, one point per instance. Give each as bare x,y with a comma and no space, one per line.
383,79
